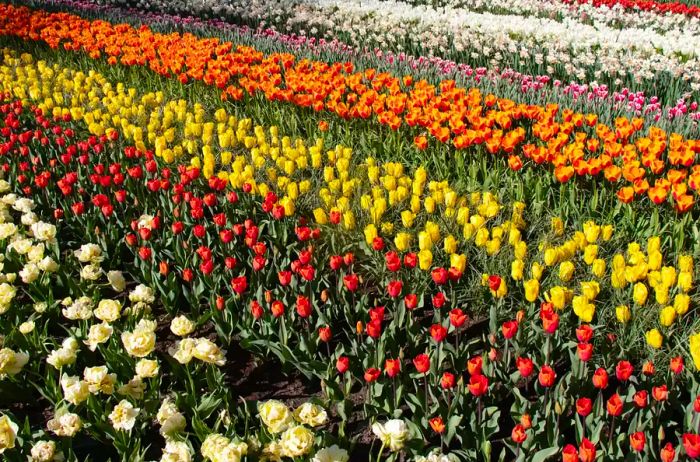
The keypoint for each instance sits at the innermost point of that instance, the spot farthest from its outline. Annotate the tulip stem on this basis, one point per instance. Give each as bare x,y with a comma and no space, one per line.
612,430
381,450
425,386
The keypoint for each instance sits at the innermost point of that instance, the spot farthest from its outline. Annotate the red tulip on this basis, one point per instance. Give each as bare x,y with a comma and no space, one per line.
584,351
518,434
348,258
637,441
648,368
458,318
325,334
550,321
478,385
475,365
410,260
569,453
277,308
256,309
494,282
584,333
239,284
660,393
392,367
586,451
600,378
696,404
447,381
584,406
303,306
438,300
342,364
422,363
437,424
336,262
641,399
145,253
668,453
624,370
411,301
438,332
285,277
691,444
374,328
509,329
676,365
372,374
614,405
525,366
393,262
394,288
376,313
547,376
439,275
350,281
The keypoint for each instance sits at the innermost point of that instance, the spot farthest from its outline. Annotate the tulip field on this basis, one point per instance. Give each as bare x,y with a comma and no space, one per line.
338,231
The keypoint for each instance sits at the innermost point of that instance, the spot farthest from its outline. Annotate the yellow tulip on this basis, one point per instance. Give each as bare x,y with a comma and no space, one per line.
557,226
654,338
458,261
425,259
694,341
402,241
583,308
566,271
667,315
598,268
640,293
516,269
532,289
623,314
681,303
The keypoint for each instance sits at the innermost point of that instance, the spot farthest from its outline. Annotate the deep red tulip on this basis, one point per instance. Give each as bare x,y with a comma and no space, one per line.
422,363
584,406
478,385
509,329
525,366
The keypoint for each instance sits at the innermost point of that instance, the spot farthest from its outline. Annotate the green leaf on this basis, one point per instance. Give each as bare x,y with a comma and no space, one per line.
544,454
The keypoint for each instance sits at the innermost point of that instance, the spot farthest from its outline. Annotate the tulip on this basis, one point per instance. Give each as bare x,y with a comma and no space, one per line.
439,276
277,308
342,364
569,453
668,453
550,321
475,365
660,393
518,434
547,376
411,301
584,406
372,374
447,381
256,310
637,441
458,318
691,444
392,367
478,385
438,332
509,329
600,378
641,399
586,451
584,351
623,370
614,405
394,288
422,363
437,424
324,334
525,366
584,333
350,282
676,365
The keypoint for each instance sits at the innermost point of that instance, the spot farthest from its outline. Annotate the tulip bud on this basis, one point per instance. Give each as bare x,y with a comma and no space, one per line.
359,328
324,296
268,296
661,434
520,316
